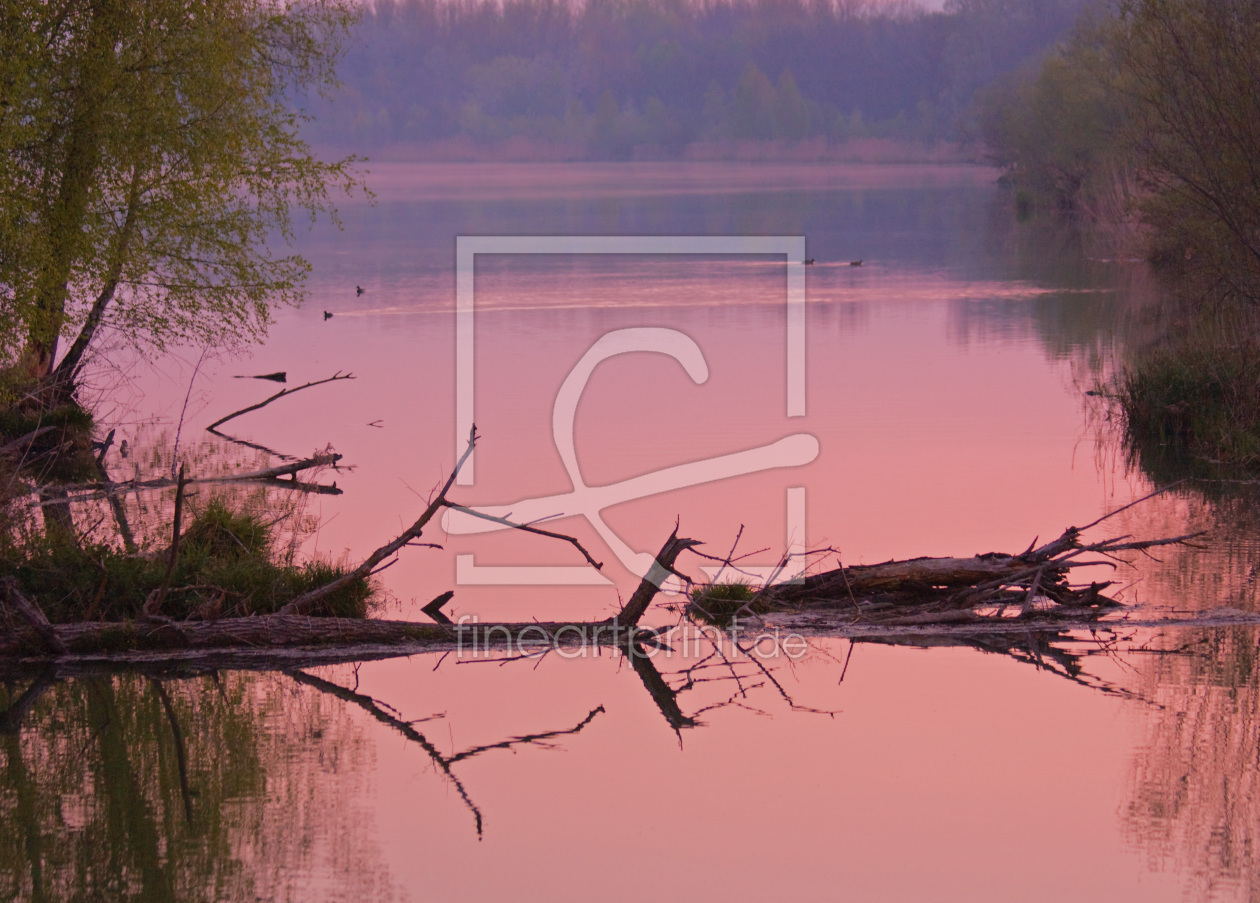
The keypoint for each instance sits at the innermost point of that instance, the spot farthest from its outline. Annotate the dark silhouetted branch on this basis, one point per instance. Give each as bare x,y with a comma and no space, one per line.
281,394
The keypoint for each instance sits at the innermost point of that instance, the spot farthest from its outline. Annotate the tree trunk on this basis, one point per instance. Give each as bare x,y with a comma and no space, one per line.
67,211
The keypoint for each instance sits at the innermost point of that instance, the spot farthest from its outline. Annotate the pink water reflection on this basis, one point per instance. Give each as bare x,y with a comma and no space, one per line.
944,775
927,446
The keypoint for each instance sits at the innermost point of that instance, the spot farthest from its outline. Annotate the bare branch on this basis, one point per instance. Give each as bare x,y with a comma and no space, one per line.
283,392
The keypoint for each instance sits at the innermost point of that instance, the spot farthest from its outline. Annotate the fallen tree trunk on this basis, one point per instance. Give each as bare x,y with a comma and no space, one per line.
911,575
938,591
662,570
271,632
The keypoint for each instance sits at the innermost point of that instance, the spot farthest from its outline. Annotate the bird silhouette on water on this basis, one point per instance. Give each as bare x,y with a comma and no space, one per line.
327,315
358,290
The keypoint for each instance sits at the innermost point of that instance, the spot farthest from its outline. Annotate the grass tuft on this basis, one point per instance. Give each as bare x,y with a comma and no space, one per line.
1197,394
225,568
718,603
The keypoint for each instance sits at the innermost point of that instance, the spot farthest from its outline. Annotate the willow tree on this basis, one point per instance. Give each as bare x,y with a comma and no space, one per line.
149,157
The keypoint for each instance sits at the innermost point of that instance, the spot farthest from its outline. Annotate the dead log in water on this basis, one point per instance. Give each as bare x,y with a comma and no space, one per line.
914,593
149,639
945,591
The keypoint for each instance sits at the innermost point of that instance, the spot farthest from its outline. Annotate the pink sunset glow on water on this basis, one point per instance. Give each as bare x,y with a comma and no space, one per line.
944,392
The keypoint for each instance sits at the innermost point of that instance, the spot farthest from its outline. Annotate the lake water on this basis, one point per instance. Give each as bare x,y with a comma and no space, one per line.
942,411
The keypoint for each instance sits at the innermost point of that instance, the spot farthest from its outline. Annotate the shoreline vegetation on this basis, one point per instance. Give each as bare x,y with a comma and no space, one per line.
286,608
1143,126
160,190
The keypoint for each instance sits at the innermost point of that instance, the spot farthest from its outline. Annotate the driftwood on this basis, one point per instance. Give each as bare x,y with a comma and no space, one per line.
935,591
904,605
662,569
157,639
11,597
154,637
921,594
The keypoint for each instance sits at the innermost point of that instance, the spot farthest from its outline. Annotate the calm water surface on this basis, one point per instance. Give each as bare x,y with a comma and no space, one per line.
944,388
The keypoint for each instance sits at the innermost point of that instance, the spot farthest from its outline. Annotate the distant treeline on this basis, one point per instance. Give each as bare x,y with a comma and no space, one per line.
615,79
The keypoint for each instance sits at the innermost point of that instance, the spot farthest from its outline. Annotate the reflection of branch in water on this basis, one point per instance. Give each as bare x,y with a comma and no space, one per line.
795,706
293,483
374,708
253,445
665,697
181,754
535,739
11,718
1045,650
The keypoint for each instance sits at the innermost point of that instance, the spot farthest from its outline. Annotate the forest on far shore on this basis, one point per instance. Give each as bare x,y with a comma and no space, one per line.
652,79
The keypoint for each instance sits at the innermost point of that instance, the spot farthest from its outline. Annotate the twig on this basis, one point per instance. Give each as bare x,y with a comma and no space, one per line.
1149,495
254,445
283,392
107,487
179,429
153,605
526,528
368,566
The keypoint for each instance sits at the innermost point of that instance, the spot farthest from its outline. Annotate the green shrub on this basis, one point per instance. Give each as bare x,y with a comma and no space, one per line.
61,455
1198,393
225,568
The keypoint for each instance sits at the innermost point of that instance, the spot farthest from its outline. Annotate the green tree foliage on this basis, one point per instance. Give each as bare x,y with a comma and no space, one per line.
1169,92
1055,128
1163,99
147,154
1193,70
